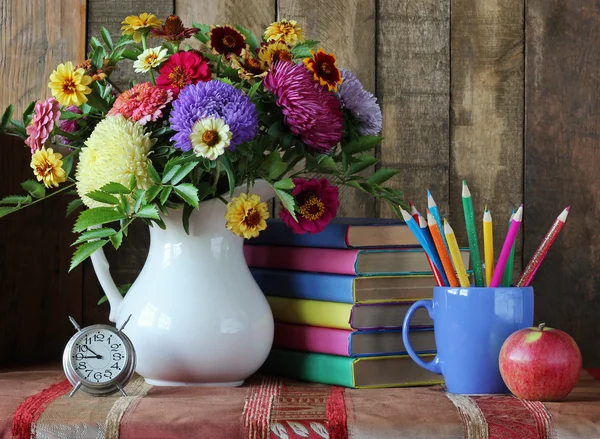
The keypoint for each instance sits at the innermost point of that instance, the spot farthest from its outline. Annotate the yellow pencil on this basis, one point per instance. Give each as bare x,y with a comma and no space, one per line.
488,245
459,265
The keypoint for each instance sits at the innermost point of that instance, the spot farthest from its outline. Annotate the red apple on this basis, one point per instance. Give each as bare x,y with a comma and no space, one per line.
540,364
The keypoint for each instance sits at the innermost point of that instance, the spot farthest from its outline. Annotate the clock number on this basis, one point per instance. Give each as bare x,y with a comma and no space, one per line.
89,371
114,347
79,357
87,340
116,356
82,365
98,376
116,366
109,337
81,348
99,337
108,373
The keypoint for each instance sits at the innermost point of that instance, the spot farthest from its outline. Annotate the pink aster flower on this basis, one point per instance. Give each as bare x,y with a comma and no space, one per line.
317,203
142,103
46,114
311,112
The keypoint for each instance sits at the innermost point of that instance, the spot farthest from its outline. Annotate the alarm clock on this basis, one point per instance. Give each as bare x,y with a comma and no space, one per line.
99,359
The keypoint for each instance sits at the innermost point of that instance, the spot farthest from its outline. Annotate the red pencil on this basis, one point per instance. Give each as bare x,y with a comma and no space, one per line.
436,273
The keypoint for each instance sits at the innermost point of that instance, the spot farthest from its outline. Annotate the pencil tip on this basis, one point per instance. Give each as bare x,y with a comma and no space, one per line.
486,209
466,193
410,204
568,208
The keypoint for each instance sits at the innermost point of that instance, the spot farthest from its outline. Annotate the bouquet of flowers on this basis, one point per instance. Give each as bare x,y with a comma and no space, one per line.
195,124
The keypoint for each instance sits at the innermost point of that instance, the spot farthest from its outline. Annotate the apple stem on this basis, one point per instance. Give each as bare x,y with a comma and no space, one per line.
541,326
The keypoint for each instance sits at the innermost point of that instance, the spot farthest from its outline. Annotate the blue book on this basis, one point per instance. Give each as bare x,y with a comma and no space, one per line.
341,233
343,288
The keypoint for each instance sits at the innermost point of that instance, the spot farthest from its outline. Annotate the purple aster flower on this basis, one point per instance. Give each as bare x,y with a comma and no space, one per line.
213,99
361,103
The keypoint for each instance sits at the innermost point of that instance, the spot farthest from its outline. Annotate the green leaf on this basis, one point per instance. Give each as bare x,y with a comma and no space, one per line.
107,38
187,212
286,183
253,89
202,34
115,188
124,205
303,50
363,143
35,189
16,199
96,216
94,234
226,163
273,165
188,193
251,39
382,175
326,162
131,54
204,190
6,117
69,115
132,182
287,200
84,251
276,129
164,195
122,289
170,173
98,57
362,162
139,198
124,40
117,239
73,206
183,172
94,43
27,114
117,55
103,197
153,174
148,211
6,210
152,193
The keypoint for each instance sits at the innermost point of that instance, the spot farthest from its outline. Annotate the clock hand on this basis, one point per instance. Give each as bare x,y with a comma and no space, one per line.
88,348
94,356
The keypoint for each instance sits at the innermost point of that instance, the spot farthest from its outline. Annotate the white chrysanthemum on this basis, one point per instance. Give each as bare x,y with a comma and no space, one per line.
209,137
117,149
150,58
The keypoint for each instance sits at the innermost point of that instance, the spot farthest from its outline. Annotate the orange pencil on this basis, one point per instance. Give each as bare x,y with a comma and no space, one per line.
441,249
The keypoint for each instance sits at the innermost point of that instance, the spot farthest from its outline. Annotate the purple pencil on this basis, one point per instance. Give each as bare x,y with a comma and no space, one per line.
511,236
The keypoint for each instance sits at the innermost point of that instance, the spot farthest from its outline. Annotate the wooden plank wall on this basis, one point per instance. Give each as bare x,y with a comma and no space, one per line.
459,99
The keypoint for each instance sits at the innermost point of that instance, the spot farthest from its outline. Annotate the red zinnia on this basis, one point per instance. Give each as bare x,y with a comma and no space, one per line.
324,69
316,205
181,69
225,40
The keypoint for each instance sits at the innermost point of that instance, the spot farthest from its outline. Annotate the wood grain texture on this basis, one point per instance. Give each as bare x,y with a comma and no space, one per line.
37,293
345,28
562,154
487,113
413,80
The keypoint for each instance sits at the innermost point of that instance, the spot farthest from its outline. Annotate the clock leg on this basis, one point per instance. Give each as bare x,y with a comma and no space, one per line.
121,389
75,389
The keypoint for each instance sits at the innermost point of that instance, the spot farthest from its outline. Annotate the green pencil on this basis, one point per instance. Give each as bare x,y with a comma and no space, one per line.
508,270
472,235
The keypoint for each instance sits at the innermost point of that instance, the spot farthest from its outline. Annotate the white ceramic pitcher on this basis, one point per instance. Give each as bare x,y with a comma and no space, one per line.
197,315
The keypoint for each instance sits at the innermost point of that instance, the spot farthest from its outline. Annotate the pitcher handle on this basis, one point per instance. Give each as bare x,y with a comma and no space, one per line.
102,269
434,365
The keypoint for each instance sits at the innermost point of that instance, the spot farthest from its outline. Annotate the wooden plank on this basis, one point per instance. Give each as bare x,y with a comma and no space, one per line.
487,113
37,293
413,80
562,154
345,28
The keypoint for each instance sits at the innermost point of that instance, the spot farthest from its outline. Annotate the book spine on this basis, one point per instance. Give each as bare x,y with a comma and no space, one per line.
310,312
309,366
319,260
303,285
312,339
278,233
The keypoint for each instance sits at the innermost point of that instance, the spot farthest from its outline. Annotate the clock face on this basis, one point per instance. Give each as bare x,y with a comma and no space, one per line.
98,356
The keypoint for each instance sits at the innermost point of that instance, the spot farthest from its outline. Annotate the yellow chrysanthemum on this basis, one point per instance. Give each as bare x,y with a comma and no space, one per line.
47,167
69,85
134,24
246,215
117,149
274,51
287,31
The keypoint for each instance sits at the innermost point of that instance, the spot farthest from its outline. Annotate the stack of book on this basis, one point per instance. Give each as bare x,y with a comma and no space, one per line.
339,299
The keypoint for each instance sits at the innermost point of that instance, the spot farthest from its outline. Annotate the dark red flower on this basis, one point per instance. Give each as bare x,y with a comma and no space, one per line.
174,30
181,69
317,203
225,40
324,70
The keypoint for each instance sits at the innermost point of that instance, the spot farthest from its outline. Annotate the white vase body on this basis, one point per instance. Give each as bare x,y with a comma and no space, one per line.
197,315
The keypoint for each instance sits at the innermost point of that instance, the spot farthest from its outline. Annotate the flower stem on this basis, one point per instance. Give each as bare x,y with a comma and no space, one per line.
144,44
217,174
152,77
218,72
43,198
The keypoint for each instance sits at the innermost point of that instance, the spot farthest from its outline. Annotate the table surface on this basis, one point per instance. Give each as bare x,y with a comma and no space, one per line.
35,403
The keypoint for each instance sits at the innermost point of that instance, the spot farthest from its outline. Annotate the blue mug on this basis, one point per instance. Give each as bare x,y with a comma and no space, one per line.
470,326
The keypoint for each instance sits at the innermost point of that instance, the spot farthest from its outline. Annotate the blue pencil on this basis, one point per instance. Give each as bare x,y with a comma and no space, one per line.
435,212
427,234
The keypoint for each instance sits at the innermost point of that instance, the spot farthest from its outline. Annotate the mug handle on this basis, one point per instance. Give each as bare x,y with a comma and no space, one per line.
434,365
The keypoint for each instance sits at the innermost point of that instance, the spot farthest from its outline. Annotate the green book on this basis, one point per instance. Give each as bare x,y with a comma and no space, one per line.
367,372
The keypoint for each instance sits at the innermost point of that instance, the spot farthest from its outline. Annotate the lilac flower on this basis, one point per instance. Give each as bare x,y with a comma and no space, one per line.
361,103
213,99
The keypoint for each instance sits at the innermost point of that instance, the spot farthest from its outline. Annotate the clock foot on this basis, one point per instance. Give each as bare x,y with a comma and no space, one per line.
121,389
75,389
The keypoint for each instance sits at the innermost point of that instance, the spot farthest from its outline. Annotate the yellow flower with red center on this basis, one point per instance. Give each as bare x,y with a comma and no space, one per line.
246,216
69,86
249,66
136,24
47,167
287,31
324,70
272,52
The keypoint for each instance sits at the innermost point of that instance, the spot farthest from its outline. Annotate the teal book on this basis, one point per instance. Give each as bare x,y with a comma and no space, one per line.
365,372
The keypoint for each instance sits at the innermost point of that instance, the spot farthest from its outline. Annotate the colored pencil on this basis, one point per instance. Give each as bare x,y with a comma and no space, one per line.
508,243
429,251
488,245
508,270
459,265
432,206
413,211
472,234
542,250
441,249
436,273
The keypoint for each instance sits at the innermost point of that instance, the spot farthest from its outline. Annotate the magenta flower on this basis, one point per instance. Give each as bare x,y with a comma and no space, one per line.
46,114
311,112
317,203
69,126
